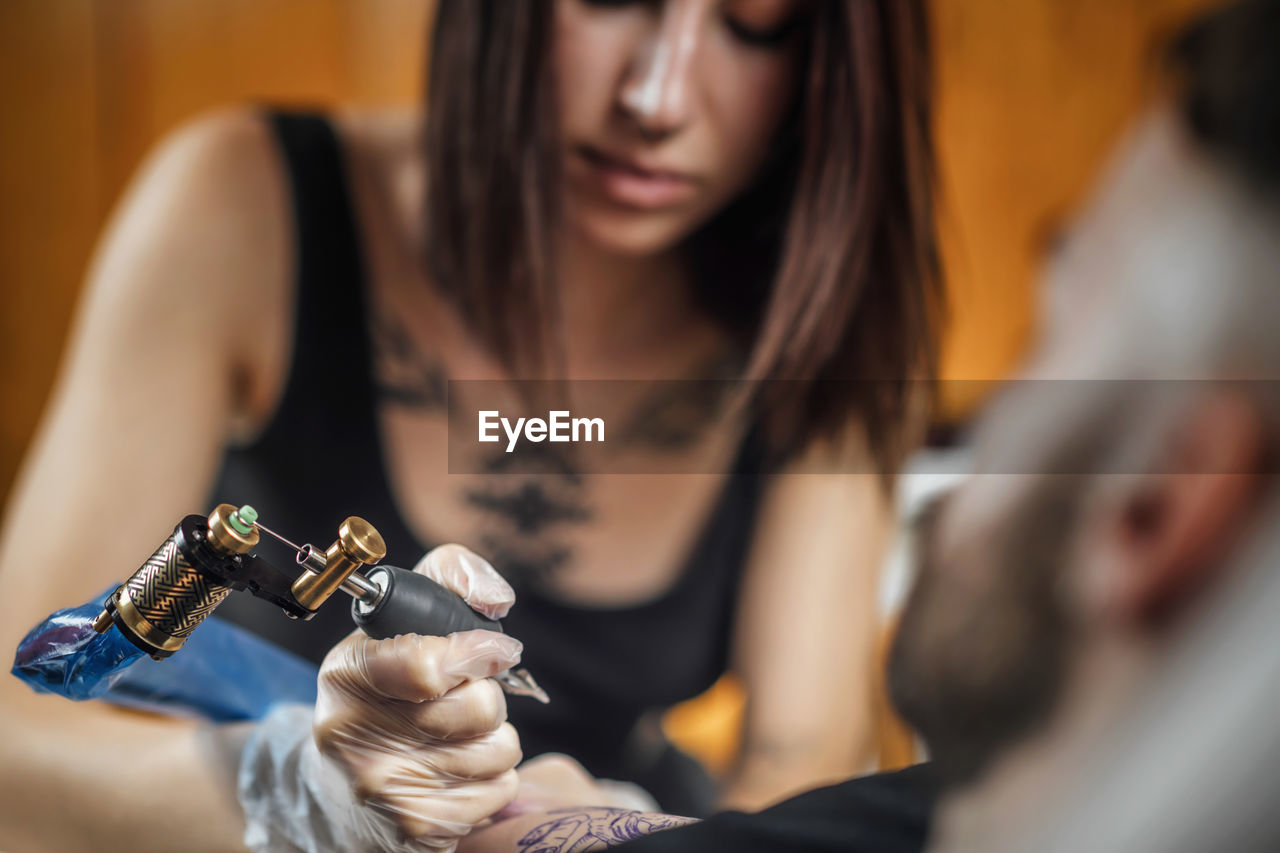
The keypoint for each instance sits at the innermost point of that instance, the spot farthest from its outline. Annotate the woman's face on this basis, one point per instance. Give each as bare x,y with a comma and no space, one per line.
668,109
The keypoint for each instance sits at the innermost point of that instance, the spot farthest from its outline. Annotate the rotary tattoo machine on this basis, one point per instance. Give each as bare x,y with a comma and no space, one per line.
205,559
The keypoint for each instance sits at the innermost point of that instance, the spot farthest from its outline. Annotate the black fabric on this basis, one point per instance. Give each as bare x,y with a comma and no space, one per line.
320,460
883,813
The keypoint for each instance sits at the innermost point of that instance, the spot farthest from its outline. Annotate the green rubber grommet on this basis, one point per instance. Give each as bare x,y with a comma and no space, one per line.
242,519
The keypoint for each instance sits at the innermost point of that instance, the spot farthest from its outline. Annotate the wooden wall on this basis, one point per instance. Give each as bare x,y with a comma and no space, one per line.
1032,94
88,86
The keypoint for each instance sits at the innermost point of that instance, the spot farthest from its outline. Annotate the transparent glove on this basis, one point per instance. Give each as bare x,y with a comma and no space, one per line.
407,747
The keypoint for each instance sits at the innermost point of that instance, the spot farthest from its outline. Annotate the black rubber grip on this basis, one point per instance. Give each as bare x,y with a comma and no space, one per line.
415,604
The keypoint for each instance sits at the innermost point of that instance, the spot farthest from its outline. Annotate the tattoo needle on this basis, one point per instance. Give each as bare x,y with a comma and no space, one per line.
271,532
519,682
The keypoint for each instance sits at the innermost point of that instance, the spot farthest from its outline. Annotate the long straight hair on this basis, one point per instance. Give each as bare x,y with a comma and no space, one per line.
825,271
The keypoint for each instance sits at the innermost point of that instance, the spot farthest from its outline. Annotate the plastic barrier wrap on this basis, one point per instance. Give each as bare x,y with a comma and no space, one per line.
223,673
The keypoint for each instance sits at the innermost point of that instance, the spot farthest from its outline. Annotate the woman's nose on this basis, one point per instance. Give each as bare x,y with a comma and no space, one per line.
657,92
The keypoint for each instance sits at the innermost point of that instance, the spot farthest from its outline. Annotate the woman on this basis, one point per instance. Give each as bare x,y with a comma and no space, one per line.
601,189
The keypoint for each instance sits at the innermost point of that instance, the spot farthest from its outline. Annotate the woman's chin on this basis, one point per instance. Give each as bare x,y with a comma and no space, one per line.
634,235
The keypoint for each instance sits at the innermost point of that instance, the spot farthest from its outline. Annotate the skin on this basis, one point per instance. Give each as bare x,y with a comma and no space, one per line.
674,86
562,809
183,342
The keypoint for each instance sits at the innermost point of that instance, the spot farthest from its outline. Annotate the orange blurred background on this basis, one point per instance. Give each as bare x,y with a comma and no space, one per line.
1032,94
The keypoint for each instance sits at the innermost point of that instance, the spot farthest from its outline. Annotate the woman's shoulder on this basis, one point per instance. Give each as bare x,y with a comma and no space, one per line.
227,156
382,150
389,136
205,223
382,153
205,203
213,187
383,157
243,135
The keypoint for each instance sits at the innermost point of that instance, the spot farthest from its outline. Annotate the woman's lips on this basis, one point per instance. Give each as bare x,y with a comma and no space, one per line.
632,184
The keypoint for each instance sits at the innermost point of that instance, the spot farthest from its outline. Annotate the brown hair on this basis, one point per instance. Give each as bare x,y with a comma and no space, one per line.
1229,76
825,271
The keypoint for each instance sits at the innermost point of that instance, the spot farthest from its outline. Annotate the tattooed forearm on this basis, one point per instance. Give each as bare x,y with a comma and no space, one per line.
584,829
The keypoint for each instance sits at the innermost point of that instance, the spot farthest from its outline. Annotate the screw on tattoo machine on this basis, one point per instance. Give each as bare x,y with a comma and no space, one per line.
205,559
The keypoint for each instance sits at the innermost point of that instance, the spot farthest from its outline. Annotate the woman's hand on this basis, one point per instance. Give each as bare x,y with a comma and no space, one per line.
419,728
412,728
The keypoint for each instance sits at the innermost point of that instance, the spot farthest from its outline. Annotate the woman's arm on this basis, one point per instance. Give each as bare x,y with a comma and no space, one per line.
806,634
169,345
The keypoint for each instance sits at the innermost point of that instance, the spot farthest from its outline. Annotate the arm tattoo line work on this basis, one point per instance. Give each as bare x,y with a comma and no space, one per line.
530,500
585,829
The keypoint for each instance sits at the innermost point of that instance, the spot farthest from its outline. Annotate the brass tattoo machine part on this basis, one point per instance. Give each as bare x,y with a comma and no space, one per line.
205,559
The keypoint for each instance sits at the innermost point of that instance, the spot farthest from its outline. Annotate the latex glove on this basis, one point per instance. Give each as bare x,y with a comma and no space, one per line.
410,747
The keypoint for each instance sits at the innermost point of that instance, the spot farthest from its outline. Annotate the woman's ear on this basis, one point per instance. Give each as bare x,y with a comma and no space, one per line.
1166,537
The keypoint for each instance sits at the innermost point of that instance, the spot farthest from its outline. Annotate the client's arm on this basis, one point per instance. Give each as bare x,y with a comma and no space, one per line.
568,830
562,809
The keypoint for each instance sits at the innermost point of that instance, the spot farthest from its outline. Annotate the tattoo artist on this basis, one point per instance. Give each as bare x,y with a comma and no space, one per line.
594,189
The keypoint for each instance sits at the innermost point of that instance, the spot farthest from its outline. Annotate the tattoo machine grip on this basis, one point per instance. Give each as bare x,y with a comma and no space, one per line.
411,603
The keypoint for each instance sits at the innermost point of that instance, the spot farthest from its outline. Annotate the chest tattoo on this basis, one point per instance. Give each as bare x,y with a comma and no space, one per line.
529,503
403,375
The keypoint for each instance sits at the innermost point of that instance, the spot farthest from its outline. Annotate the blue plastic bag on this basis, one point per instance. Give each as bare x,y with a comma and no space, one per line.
223,673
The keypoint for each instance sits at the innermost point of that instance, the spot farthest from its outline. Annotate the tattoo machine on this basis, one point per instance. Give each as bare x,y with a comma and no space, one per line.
205,559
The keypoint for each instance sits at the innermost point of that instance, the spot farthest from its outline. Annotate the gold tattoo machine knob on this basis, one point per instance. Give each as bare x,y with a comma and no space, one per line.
359,544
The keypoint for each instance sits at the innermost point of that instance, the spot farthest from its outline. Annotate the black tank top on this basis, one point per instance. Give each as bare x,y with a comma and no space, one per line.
320,460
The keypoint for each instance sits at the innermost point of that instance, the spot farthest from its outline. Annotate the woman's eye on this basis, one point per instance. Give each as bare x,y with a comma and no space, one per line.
765,37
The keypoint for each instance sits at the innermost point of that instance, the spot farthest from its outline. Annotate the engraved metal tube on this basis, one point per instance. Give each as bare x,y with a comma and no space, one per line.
168,597
165,600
